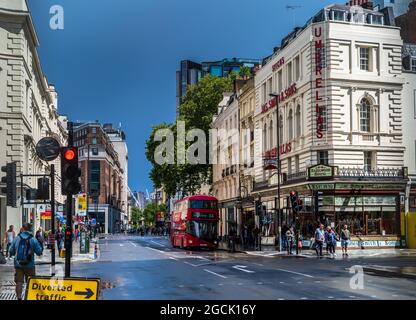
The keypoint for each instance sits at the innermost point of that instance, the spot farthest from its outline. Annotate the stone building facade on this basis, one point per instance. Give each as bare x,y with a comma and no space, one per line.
28,108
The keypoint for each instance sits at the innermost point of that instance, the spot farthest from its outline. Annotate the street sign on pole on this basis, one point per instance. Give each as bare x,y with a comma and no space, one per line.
48,149
47,288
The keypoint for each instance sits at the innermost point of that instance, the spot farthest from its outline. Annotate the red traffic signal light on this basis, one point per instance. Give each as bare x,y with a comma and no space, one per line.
69,154
70,171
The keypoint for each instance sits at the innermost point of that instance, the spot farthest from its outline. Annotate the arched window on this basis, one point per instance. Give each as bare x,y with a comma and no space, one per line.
265,138
280,129
298,120
271,134
290,120
365,115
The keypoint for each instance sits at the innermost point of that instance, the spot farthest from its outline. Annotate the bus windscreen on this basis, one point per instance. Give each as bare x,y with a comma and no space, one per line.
205,230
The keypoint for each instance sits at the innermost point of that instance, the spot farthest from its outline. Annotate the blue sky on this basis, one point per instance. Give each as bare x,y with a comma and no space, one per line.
115,60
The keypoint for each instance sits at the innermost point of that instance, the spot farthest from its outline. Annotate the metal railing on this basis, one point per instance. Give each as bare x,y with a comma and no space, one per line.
372,173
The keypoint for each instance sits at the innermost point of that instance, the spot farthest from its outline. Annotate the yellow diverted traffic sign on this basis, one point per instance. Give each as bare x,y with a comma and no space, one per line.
47,288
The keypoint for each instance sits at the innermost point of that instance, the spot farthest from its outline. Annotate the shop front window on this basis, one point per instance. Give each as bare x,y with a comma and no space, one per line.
354,222
389,223
373,223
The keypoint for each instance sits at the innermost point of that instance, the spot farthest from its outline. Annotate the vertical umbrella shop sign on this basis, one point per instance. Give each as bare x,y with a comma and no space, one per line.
319,74
82,205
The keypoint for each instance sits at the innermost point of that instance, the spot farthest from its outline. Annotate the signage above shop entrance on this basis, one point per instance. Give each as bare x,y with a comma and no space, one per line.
320,171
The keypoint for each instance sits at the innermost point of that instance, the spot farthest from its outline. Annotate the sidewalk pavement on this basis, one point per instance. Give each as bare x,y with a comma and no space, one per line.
269,251
359,253
45,258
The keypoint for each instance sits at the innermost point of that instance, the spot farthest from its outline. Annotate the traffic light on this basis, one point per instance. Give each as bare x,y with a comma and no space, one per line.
295,202
10,181
318,201
70,172
31,194
43,189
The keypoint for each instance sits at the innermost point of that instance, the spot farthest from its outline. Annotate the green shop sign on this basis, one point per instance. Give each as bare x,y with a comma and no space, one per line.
377,186
320,171
322,186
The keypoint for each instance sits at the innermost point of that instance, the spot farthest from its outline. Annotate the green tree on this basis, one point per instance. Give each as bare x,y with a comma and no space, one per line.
149,213
197,110
245,72
136,216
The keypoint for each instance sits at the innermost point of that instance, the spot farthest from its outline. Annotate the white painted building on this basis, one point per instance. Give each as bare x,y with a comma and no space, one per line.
339,80
225,181
118,139
28,108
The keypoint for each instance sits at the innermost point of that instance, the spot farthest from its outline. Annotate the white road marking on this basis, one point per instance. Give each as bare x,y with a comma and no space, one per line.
298,273
133,244
160,251
303,298
243,268
259,264
281,282
214,273
121,245
330,297
159,244
240,284
259,282
173,258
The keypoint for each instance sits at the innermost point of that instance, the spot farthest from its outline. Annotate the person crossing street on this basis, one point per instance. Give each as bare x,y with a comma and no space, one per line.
289,240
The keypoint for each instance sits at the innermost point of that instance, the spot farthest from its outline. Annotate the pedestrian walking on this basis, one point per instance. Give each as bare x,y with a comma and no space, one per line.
76,234
319,240
300,244
256,236
326,239
290,234
9,237
232,237
331,242
245,236
59,236
345,239
23,248
40,237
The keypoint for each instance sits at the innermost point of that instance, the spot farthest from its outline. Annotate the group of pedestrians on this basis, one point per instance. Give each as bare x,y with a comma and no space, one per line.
329,237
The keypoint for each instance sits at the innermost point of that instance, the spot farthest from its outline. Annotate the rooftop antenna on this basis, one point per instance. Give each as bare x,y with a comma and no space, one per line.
293,8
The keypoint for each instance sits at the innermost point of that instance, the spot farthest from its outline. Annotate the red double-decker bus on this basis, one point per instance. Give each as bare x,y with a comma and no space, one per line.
194,222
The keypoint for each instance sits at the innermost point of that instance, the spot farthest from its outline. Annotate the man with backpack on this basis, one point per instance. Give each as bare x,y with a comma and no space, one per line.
24,247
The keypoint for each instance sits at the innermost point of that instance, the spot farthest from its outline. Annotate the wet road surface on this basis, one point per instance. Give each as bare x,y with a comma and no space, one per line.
134,267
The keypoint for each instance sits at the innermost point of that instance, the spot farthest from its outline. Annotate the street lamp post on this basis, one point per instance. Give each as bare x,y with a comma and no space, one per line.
278,169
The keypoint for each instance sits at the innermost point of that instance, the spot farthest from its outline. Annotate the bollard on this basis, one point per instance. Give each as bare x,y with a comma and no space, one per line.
95,251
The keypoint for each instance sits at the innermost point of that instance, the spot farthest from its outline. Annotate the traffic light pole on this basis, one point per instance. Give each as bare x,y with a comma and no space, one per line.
69,212
53,219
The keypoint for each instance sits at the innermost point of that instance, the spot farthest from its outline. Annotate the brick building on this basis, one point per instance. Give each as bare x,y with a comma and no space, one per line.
102,177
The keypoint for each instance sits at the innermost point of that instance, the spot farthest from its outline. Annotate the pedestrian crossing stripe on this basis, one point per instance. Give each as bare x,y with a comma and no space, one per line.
56,288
